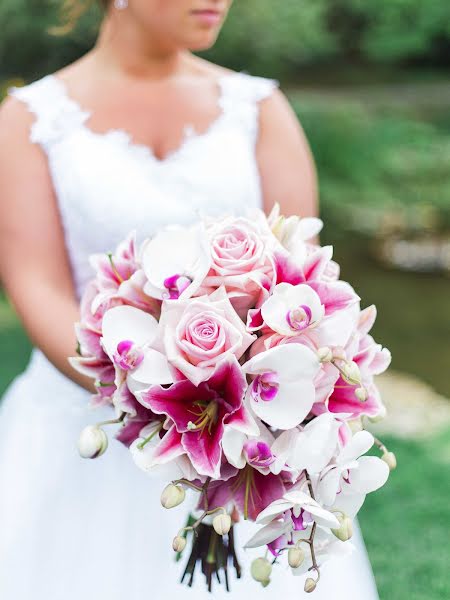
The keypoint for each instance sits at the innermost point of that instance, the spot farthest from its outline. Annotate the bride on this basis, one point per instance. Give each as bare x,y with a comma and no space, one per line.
137,133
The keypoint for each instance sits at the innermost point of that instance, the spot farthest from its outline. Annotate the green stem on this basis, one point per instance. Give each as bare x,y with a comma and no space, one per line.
150,437
113,421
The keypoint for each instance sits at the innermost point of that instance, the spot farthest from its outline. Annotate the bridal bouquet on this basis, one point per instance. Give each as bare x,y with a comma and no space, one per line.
239,363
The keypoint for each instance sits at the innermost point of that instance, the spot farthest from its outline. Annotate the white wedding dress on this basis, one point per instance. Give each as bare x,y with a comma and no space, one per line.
72,529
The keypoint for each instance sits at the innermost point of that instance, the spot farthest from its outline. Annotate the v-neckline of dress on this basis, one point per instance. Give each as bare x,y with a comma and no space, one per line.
189,135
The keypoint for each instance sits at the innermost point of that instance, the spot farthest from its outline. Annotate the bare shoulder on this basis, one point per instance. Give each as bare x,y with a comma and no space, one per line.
277,114
15,120
285,159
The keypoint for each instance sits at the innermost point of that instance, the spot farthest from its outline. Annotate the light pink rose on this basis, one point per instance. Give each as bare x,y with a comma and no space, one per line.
198,333
241,261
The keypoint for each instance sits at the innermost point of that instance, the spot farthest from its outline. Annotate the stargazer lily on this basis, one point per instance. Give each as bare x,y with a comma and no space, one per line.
127,336
282,392
248,489
175,262
147,446
201,412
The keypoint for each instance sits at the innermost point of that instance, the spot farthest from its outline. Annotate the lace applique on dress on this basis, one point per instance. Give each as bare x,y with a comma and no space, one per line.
56,114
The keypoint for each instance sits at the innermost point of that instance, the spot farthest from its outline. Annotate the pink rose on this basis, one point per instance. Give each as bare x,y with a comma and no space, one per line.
241,261
198,333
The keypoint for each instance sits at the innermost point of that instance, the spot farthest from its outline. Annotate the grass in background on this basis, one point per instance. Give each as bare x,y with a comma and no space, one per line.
376,154
405,524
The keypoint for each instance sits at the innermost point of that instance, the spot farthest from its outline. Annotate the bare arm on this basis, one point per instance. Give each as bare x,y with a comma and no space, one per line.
34,267
286,165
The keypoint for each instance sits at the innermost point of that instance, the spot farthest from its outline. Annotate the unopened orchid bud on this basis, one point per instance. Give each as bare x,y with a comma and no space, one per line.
325,355
351,373
310,585
355,425
296,556
172,495
339,353
222,524
345,531
179,543
93,442
261,569
390,459
362,394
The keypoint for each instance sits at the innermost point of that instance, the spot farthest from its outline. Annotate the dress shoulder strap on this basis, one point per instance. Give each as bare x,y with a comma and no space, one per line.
55,113
241,95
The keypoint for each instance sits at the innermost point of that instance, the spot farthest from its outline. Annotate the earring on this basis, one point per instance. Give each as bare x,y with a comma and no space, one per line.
121,4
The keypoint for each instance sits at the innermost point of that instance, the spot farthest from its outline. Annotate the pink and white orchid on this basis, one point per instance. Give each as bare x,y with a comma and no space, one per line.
295,511
282,391
291,309
175,262
128,335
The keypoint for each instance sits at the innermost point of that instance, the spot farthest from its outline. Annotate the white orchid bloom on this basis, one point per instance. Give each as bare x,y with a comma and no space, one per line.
352,473
311,449
127,334
296,511
283,392
175,262
292,309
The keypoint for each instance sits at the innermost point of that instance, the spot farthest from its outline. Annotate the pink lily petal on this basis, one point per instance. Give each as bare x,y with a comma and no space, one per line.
169,448
335,296
316,263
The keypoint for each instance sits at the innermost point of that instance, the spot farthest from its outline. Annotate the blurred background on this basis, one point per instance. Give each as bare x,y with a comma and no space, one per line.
370,82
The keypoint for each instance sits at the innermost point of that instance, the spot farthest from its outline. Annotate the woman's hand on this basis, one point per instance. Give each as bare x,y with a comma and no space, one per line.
286,165
34,266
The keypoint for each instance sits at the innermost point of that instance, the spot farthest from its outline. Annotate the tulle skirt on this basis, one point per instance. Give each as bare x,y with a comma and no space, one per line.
82,530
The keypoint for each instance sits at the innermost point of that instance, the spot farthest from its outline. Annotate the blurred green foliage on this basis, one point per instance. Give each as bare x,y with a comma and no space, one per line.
376,158
263,36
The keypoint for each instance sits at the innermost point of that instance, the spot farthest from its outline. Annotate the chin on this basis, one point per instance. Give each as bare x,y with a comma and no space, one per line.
201,42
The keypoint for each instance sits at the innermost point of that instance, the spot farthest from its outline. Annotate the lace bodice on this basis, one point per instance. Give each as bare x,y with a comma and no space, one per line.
106,185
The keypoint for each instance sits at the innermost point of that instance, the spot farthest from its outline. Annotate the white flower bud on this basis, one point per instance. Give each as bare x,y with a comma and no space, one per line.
261,570
351,373
355,425
172,495
325,355
179,543
296,556
390,459
339,353
345,531
310,585
222,524
362,394
93,442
